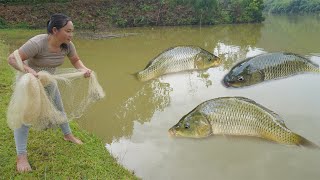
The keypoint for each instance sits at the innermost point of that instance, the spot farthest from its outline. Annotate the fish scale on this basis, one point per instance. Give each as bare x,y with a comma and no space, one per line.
287,69
266,67
255,122
169,63
177,59
236,116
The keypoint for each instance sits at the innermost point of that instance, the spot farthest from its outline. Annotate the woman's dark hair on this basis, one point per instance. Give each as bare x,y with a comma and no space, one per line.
58,21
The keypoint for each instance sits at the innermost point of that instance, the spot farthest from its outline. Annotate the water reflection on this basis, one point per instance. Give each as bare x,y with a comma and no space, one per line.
235,41
232,54
115,59
205,78
153,96
135,117
243,34
288,33
230,42
152,154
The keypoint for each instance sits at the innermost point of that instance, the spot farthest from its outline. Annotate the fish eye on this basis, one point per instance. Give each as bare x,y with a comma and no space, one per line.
240,78
187,126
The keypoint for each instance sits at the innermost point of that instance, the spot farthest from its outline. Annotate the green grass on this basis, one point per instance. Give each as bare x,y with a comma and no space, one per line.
49,155
16,37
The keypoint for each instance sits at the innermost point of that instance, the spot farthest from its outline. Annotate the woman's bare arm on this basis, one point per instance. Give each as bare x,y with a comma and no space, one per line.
77,63
13,62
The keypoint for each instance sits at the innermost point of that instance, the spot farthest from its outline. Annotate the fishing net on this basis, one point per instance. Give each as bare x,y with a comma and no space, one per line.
55,97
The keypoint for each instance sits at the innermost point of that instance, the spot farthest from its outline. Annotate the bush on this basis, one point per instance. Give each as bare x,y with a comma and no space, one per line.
31,1
292,6
3,23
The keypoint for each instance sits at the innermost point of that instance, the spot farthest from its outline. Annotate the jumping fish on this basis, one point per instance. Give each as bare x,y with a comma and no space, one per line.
268,66
236,116
176,59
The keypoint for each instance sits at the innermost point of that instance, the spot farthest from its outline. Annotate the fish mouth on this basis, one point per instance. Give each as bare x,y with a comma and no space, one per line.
172,132
230,84
217,62
226,83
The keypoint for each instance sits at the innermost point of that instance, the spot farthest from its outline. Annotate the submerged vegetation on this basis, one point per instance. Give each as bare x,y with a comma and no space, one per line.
102,14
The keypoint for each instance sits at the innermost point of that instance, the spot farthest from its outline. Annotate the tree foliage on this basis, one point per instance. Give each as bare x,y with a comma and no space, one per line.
130,13
224,11
31,1
292,6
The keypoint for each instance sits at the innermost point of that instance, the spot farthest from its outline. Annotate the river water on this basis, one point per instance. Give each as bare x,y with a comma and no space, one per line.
134,118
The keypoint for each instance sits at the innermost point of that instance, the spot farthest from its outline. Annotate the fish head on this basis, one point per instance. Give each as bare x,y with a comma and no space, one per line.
193,125
205,60
243,74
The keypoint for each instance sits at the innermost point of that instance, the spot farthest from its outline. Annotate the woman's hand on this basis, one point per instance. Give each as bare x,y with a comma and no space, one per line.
77,63
27,69
87,72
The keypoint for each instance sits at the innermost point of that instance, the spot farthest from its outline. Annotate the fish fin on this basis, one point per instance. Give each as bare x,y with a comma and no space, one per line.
306,143
154,59
304,58
242,62
245,99
163,54
135,75
149,63
277,117
317,70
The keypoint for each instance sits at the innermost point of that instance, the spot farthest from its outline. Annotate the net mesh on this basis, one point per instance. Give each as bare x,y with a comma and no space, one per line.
52,98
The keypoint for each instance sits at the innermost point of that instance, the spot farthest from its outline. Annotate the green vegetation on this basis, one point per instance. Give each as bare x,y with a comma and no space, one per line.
3,23
50,156
187,12
101,14
31,1
292,6
223,11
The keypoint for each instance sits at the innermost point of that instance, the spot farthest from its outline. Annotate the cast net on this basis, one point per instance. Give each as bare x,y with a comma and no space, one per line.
57,96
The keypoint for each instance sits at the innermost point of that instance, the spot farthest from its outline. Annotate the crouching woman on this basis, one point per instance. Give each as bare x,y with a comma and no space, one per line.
46,52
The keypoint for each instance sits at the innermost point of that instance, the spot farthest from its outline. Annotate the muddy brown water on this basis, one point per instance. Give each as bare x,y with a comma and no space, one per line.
134,118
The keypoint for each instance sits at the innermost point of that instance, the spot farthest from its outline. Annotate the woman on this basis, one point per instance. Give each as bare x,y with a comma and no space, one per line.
46,52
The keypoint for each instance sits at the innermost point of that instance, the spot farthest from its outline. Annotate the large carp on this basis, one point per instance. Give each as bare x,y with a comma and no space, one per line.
180,58
266,67
236,116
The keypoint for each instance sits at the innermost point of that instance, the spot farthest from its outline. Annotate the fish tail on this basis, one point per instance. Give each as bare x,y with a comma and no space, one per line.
135,75
140,76
306,143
